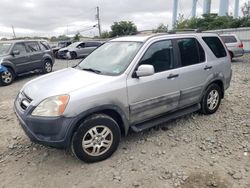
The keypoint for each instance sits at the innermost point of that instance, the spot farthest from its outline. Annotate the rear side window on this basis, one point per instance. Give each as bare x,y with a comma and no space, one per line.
228,39
216,46
160,55
191,51
33,46
44,45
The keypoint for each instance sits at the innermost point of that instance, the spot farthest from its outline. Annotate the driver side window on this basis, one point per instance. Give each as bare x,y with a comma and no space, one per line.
20,47
82,45
160,55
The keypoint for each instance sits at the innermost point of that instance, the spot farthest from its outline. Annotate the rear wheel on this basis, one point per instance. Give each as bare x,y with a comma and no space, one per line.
47,67
7,77
96,139
211,99
231,55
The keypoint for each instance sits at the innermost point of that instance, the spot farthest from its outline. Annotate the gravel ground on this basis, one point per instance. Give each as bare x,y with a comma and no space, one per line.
191,152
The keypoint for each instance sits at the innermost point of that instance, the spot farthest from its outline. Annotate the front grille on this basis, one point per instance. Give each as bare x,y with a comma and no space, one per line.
24,100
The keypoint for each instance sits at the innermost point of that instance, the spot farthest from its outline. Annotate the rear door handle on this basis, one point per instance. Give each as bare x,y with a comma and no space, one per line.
208,67
172,76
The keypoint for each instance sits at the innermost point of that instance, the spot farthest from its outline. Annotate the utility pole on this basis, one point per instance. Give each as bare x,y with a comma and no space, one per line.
98,19
174,16
13,29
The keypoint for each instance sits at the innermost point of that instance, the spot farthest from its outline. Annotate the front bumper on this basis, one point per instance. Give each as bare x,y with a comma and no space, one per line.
62,54
50,131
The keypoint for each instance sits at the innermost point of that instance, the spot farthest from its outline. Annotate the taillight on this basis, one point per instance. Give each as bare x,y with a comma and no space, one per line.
241,45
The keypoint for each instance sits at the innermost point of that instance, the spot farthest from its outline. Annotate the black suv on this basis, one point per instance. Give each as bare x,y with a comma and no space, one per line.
18,57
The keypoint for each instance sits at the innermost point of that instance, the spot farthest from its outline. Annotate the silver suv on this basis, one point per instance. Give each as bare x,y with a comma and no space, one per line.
130,83
233,44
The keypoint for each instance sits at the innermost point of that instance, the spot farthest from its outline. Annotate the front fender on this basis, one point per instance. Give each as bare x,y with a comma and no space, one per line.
2,68
86,113
8,64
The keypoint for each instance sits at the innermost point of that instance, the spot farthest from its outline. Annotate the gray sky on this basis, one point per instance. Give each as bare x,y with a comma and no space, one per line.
55,17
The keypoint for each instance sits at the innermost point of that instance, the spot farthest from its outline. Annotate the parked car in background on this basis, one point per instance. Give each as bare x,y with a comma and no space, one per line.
79,49
129,83
234,45
59,46
22,56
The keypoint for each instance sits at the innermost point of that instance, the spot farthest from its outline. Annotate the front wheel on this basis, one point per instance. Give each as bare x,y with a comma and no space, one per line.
73,55
7,77
96,139
211,99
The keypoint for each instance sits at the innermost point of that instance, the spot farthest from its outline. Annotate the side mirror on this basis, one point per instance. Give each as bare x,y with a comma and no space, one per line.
145,70
15,52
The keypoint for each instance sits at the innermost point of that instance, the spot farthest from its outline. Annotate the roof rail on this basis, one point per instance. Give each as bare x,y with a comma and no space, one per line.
184,31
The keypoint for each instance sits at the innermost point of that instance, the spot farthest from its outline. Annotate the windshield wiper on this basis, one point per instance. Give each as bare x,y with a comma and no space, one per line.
92,70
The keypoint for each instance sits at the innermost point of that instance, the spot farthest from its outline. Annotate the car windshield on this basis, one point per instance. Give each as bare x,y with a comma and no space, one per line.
112,58
75,44
4,48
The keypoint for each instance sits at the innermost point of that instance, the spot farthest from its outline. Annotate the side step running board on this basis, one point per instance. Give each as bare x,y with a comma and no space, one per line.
162,119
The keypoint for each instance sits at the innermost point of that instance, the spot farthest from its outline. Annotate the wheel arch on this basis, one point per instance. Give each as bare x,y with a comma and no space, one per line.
219,82
111,110
9,65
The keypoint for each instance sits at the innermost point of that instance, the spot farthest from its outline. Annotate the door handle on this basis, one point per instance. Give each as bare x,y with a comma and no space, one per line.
172,76
208,67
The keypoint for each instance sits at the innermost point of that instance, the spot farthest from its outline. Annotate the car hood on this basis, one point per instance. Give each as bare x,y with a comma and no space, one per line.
61,82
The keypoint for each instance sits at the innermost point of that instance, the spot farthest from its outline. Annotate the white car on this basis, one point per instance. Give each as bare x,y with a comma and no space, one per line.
79,49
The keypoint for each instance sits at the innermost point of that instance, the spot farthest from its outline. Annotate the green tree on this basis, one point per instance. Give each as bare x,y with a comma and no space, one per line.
77,37
105,34
63,37
123,28
161,28
213,21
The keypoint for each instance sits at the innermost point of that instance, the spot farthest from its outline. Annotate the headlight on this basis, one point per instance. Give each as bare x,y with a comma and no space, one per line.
52,106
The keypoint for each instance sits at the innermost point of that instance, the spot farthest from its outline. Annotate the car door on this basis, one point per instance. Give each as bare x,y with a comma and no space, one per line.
21,60
193,70
90,47
80,49
154,95
35,53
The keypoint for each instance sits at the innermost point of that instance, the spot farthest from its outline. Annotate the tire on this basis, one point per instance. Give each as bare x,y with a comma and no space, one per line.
7,77
231,56
47,66
211,100
102,136
73,55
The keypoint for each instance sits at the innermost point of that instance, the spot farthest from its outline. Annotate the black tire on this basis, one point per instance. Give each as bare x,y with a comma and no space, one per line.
97,122
211,107
73,55
47,66
7,77
231,55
